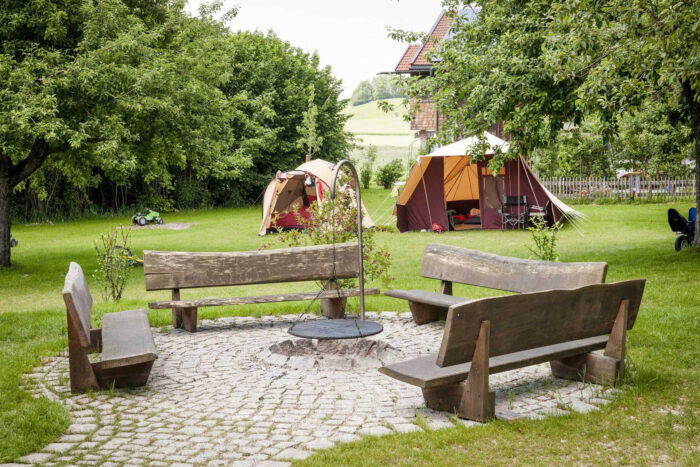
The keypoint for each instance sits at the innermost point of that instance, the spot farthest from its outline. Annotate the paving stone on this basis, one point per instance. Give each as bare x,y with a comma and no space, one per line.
36,458
222,397
293,454
375,431
319,444
58,447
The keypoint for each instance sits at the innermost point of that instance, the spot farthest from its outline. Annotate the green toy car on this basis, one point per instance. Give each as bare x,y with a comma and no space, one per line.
149,216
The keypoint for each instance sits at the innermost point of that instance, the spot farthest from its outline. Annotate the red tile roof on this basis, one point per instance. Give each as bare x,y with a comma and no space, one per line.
440,30
405,62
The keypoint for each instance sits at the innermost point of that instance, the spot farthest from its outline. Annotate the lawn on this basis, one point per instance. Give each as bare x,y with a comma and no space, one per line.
389,132
654,421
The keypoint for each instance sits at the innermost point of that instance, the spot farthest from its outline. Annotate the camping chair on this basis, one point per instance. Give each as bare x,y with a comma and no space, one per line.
514,211
539,211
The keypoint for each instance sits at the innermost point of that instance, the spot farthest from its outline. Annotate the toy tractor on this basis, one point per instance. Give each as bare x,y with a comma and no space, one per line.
149,216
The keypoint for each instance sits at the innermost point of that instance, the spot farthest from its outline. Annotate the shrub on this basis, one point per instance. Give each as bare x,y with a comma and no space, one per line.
336,221
544,240
113,262
387,175
365,175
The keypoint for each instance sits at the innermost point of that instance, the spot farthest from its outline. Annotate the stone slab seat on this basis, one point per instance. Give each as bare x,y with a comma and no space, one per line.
125,341
495,334
451,264
175,270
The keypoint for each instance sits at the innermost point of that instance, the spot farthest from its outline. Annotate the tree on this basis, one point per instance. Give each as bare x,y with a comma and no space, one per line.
362,94
536,65
113,84
309,140
368,166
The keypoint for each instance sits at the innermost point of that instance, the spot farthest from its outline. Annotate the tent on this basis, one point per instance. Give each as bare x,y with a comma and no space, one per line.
298,188
447,180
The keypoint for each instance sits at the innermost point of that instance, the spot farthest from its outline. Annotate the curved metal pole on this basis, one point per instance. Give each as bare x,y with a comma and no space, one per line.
358,200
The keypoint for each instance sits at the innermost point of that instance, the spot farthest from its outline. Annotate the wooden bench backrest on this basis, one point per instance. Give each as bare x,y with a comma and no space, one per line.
181,270
531,320
78,301
451,263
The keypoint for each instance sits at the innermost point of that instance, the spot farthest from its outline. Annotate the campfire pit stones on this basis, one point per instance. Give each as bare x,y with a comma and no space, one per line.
214,398
347,354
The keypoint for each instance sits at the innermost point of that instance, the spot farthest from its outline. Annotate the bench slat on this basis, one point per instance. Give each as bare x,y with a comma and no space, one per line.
424,372
423,296
473,267
180,270
126,339
293,297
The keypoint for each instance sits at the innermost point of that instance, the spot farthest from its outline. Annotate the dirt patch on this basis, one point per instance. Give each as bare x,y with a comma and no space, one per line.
167,226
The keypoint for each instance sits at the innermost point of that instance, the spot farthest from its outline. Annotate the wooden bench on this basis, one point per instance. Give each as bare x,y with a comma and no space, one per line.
172,270
496,334
124,340
453,264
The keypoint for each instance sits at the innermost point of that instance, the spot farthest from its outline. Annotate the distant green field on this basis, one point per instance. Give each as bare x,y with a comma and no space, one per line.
389,132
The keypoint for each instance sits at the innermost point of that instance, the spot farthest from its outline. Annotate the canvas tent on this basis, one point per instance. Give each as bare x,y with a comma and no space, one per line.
447,180
308,183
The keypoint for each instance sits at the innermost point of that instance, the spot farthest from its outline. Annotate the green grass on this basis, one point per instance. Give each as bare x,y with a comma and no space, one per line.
654,421
388,131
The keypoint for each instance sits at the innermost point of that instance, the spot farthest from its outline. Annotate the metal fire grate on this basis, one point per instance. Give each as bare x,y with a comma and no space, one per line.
335,329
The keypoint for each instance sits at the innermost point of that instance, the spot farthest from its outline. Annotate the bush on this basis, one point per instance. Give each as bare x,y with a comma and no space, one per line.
365,175
336,221
113,262
544,240
387,175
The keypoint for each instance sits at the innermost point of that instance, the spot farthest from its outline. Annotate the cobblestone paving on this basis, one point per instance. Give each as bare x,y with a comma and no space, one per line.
220,397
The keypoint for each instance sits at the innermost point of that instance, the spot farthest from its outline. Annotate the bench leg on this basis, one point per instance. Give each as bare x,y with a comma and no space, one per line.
126,376
177,318
189,319
595,368
471,399
82,377
423,314
333,308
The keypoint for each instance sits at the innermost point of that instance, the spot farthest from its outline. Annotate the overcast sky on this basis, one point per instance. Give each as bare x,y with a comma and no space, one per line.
350,36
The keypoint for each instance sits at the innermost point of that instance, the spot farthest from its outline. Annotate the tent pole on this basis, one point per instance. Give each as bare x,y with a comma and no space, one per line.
425,192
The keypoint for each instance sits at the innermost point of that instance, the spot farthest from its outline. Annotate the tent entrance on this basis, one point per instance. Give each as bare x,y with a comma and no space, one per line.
462,193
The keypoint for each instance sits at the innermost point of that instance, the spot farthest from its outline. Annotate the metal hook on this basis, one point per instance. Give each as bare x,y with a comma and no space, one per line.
358,200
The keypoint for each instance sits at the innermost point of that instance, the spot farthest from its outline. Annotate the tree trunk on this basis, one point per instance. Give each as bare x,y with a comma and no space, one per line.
694,107
5,192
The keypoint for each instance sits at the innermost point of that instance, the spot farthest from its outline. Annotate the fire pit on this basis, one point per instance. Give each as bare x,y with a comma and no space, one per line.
333,354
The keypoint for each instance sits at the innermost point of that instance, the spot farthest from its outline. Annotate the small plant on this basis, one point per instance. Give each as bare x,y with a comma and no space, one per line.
113,263
368,166
510,398
388,174
544,240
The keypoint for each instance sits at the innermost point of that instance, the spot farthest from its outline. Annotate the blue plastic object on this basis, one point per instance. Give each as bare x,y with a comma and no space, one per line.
692,212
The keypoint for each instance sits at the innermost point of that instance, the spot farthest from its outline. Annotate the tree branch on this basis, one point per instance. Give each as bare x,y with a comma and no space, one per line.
37,156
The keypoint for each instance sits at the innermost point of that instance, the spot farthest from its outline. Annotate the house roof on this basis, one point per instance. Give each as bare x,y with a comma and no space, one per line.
405,62
415,56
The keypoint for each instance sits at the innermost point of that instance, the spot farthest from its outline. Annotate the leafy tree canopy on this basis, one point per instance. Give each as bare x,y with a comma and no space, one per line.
538,65
118,89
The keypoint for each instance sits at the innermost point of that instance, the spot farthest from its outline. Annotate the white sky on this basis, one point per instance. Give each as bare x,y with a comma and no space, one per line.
350,36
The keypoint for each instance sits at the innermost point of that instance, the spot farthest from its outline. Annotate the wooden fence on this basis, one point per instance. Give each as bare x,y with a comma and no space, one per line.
661,189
